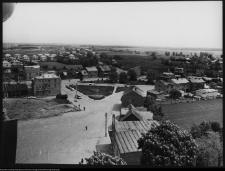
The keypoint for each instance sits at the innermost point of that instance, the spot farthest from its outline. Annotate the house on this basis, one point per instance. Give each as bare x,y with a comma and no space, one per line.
17,56
30,72
156,72
137,70
14,89
34,57
217,73
156,94
181,84
133,95
124,136
83,74
179,71
92,72
103,71
6,65
7,75
196,83
52,58
25,58
166,76
46,84
200,72
43,58
163,86
133,114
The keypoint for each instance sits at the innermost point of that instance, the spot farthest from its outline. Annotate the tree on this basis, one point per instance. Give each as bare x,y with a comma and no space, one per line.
123,77
113,76
210,150
103,159
166,53
132,74
54,68
167,145
154,55
150,80
174,54
175,94
157,112
215,126
149,100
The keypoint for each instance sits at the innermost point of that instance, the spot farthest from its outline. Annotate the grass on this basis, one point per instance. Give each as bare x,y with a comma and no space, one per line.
119,89
95,90
24,109
185,114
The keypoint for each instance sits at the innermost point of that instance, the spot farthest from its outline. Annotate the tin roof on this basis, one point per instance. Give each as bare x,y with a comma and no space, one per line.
180,81
127,134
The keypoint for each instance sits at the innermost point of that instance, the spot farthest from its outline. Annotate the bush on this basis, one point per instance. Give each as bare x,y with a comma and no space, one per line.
61,96
103,159
96,97
167,145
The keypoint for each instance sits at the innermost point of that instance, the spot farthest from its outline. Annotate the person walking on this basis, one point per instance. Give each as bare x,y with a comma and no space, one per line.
84,108
86,127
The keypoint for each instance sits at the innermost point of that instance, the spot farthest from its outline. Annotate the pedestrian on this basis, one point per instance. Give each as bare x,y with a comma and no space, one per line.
84,108
86,127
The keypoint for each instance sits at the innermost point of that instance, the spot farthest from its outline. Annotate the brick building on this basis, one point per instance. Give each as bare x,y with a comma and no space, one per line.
30,72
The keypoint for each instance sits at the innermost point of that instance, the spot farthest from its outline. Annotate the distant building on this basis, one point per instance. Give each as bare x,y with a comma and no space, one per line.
103,71
46,84
6,65
43,58
207,93
181,84
163,86
133,95
125,137
196,83
30,72
217,73
200,72
156,94
25,58
11,89
92,72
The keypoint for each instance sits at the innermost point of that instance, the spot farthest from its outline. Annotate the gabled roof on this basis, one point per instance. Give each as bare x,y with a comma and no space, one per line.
128,132
133,89
180,81
84,72
90,69
141,115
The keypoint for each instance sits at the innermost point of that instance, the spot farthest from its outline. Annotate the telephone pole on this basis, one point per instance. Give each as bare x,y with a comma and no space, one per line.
105,124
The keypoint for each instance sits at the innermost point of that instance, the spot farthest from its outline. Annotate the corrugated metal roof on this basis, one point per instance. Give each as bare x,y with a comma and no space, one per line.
127,134
196,80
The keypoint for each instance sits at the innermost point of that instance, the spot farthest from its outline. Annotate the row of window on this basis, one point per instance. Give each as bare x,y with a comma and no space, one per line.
44,86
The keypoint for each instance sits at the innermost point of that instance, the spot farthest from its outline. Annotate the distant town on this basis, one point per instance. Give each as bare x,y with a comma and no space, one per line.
115,94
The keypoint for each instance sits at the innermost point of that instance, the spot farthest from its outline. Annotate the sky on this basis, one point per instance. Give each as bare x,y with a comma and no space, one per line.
158,24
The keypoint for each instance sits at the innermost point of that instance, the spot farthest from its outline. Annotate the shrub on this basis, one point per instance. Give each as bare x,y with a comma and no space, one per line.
96,97
167,145
103,159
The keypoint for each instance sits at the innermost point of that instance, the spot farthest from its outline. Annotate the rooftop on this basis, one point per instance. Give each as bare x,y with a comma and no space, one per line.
44,76
206,90
196,80
34,66
105,68
128,132
89,69
180,81
135,89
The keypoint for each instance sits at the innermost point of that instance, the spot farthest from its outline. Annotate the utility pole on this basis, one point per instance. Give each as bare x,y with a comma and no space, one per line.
76,92
105,124
113,135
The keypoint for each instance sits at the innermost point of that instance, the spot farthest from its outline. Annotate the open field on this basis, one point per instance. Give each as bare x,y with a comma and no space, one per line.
185,114
24,109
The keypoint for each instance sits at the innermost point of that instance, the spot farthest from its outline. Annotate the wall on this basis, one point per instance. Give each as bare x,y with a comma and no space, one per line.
138,99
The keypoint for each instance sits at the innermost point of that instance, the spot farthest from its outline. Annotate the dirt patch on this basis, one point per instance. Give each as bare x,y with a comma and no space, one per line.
24,109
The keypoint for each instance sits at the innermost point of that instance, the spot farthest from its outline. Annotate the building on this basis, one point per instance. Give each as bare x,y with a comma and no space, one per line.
51,72
181,84
46,84
118,70
83,74
11,89
6,68
133,114
200,72
25,58
217,73
167,76
17,64
163,86
137,70
133,95
124,137
30,72
103,70
156,94
6,65
207,93
42,58
196,83
92,72
179,71
17,56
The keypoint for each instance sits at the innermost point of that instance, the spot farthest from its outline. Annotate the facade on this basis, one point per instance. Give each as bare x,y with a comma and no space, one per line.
181,84
124,139
163,86
30,72
25,58
137,70
6,68
14,89
92,72
196,83
103,71
133,95
46,84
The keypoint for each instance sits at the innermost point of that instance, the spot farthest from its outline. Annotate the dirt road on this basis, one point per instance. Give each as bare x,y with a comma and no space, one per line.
64,139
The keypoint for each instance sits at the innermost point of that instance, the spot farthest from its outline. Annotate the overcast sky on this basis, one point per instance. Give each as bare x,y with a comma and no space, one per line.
166,24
